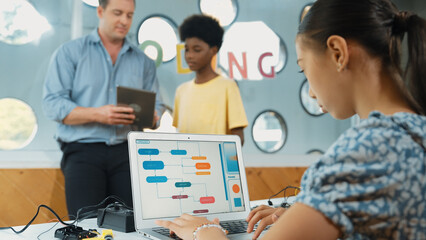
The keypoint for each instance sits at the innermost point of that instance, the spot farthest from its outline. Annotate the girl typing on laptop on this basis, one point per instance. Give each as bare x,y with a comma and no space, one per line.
370,184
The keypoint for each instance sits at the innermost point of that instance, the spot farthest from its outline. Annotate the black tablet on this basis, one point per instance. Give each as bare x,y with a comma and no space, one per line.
142,102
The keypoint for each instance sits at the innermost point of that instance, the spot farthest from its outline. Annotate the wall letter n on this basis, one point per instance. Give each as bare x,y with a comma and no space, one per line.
242,70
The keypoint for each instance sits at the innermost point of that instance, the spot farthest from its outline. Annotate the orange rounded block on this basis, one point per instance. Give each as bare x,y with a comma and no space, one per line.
236,188
202,166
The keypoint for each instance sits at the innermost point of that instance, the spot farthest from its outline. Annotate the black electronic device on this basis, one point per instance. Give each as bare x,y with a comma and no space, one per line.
142,102
73,232
116,217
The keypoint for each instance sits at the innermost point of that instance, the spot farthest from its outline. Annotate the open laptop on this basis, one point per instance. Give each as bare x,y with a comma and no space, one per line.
202,175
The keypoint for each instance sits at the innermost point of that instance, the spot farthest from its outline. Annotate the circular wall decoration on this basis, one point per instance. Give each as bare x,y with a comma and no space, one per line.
21,23
282,57
309,104
158,35
225,11
315,152
92,3
269,131
18,124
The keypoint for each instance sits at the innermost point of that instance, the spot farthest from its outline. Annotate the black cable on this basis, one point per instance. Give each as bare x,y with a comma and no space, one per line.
38,237
81,215
93,213
284,204
32,220
284,189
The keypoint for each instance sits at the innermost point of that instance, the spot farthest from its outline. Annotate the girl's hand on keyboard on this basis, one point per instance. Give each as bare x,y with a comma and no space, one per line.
185,225
266,215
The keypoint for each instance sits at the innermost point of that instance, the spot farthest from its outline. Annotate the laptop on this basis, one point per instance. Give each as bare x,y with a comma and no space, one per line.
142,102
202,175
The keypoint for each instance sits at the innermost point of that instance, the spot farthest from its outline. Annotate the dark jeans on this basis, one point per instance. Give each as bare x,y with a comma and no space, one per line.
94,171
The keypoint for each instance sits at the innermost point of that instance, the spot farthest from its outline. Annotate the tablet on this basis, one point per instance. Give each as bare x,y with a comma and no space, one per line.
142,102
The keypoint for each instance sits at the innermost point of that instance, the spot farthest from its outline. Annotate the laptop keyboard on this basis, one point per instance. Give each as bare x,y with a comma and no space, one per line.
165,232
233,227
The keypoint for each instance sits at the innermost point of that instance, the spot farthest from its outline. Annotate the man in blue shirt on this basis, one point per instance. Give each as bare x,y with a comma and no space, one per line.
80,94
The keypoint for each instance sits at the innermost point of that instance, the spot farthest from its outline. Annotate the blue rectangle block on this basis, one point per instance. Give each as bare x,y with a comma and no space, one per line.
156,179
148,151
153,165
178,152
237,202
183,184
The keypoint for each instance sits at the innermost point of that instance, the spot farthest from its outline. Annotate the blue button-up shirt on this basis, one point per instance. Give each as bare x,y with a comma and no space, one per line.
81,73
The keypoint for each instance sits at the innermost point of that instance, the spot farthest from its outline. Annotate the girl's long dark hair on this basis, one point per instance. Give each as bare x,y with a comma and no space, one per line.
380,27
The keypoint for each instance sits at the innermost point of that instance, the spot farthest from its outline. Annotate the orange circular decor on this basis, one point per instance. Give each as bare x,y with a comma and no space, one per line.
236,188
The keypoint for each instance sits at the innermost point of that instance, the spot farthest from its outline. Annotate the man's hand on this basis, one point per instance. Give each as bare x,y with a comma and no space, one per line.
266,215
114,115
155,120
108,114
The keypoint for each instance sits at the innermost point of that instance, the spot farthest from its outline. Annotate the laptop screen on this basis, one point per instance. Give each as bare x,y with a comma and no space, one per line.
195,177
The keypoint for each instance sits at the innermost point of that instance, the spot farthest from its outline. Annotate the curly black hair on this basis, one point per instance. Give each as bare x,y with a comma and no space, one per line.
203,27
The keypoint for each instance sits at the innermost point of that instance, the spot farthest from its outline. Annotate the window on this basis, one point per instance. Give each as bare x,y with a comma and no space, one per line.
309,104
92,3
20,23
157,36
225,11
269,131
315,152
18,124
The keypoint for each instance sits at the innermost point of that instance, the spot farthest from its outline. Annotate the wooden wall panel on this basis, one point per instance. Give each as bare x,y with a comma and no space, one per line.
23,190
264,182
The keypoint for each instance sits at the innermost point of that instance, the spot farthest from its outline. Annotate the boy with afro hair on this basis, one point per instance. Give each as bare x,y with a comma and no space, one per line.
210,103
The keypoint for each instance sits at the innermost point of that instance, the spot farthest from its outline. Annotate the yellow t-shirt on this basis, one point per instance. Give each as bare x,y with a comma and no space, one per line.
214,107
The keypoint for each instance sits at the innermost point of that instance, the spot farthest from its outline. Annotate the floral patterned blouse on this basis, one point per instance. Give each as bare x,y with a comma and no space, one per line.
371,183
